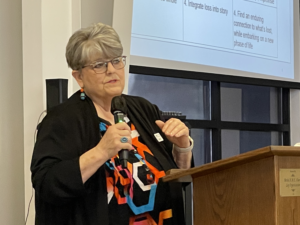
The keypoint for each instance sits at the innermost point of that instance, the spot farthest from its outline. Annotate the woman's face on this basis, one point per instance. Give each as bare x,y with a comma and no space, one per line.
104,85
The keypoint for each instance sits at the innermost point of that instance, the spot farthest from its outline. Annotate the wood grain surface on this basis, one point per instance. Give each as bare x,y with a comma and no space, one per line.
243,189
239,195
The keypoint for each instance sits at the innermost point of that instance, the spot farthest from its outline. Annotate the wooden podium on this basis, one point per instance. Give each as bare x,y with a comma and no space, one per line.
260,187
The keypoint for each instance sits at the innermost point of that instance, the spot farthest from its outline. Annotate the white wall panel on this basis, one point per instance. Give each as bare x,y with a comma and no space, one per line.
122,19
11,114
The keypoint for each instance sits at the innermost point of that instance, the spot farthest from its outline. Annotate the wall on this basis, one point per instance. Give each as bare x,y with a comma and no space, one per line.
93,11
295,116
295,94
11,114
122,17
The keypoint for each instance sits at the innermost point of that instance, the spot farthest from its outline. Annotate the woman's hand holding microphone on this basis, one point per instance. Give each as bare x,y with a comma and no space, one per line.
114,140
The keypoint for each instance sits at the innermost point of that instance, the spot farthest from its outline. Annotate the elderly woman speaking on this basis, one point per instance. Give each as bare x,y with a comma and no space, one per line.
76,169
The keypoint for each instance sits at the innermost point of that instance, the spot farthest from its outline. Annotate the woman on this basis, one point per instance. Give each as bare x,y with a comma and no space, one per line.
75,167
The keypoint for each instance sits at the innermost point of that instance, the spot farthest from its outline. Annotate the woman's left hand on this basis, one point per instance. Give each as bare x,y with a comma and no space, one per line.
176,132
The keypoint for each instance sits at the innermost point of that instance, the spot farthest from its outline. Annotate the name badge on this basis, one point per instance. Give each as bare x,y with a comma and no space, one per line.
158,137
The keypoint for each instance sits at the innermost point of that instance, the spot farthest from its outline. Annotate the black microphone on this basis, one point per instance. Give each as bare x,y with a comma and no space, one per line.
119,110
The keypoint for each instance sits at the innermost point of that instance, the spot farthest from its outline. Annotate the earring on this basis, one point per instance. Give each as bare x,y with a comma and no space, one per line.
82,95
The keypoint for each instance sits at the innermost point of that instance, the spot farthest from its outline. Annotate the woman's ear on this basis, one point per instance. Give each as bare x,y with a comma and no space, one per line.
78,77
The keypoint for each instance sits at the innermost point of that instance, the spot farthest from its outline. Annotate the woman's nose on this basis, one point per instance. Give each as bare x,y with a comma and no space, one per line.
110,68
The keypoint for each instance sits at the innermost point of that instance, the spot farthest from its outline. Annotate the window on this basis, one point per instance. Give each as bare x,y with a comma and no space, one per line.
226,118
189,97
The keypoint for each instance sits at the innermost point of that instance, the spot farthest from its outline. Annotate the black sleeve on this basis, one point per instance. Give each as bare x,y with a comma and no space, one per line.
169,145
56,174
156,114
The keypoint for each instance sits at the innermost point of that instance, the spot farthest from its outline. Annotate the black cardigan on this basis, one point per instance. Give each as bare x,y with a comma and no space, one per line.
68,131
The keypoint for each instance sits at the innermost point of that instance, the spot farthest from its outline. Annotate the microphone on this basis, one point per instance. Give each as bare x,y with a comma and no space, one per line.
119,110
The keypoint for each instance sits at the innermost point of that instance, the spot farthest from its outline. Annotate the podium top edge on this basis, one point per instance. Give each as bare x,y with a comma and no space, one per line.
284,150
227,163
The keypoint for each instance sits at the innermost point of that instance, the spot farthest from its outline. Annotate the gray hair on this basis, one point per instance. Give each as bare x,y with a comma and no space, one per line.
97,39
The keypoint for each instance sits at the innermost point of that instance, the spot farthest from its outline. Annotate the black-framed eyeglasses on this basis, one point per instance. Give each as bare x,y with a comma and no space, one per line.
101,67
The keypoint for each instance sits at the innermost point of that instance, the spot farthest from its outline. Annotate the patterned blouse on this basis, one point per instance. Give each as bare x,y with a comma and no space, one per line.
136,196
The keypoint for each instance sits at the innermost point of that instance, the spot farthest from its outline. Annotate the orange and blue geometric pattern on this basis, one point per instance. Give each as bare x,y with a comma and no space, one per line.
131,191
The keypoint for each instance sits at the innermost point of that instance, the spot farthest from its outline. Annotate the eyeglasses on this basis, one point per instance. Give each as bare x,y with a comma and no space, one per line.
101,67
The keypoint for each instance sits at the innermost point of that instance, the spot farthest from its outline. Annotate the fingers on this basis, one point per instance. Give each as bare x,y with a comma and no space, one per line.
174,127
117,135
183,132
124,133
120,145
160,124
114,140
121,126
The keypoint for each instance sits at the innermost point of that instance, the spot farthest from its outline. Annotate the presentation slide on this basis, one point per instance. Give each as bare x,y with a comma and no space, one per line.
254,36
